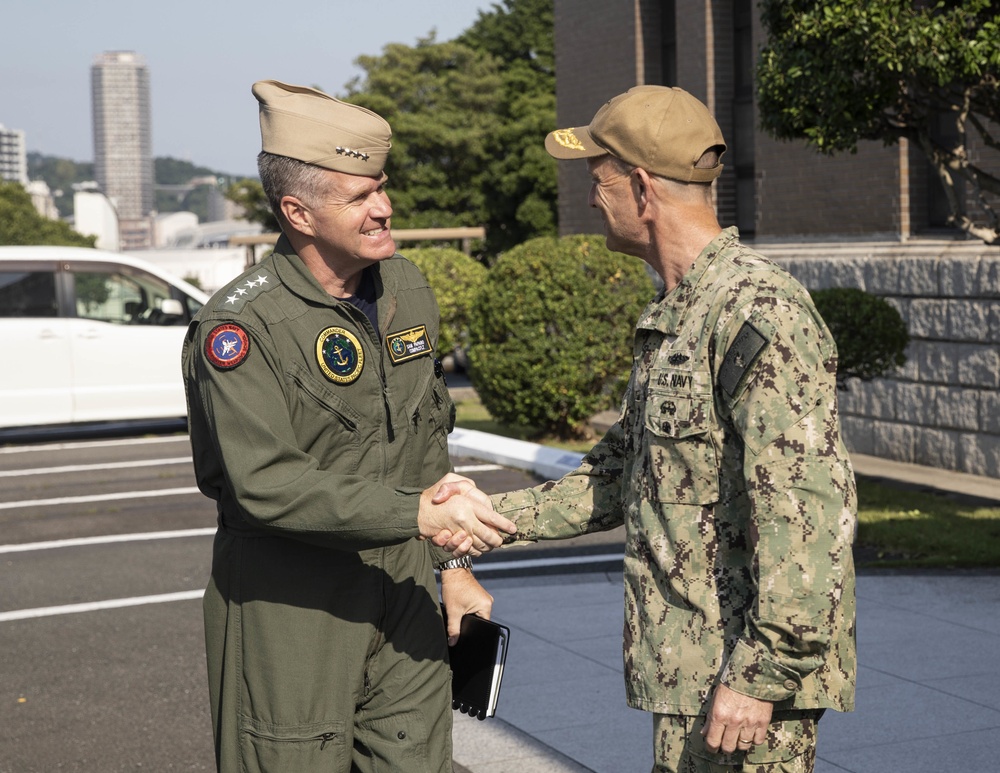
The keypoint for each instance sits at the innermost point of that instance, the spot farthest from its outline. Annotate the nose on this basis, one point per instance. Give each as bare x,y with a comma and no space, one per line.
382,207
592,196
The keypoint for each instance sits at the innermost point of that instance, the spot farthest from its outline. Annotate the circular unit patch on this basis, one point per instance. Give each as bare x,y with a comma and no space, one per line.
339,355
227,346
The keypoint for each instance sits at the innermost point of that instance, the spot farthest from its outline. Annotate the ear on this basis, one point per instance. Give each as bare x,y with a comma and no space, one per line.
297,215
643,189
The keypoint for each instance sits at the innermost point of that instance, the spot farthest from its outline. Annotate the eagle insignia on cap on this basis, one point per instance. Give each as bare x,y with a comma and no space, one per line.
568,139
351,152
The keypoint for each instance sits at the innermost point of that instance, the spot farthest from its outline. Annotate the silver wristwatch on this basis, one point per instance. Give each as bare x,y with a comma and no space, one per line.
465,562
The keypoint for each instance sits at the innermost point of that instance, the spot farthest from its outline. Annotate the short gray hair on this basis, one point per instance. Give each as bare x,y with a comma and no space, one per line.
282,176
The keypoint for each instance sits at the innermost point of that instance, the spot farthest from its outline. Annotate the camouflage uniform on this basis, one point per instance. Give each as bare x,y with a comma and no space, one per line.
727,468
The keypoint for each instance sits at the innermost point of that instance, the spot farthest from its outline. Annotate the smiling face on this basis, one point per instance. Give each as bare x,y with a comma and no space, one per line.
350,219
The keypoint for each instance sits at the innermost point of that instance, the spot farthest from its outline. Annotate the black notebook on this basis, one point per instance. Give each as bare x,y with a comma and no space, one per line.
477,666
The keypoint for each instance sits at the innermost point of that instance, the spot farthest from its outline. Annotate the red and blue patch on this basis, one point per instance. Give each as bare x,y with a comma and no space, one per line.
227,346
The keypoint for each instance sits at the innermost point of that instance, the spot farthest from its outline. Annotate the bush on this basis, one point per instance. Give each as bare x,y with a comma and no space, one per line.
551,336
871,336
456,280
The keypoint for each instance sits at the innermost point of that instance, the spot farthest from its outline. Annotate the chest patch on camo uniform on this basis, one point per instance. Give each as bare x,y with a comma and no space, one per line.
742,354
339,355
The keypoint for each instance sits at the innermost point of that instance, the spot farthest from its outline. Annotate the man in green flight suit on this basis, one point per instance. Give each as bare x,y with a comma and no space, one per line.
726,465
319,419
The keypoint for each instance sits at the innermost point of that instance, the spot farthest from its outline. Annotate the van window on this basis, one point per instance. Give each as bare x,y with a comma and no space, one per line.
28,294
122,299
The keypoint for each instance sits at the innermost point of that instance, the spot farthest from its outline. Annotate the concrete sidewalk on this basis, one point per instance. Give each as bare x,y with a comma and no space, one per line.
928,696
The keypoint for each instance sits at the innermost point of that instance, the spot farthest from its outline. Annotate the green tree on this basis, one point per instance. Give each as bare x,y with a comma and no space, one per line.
468,118
173,171
60,174
249,194
521,187
551,332
835,72
441,101
456,280
871,335
20,223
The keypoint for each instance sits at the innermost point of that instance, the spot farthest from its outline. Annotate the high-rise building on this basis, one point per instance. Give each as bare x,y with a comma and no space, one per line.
13,158
123,147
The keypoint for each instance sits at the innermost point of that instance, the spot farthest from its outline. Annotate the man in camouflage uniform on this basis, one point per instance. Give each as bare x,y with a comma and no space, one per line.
726,465
319,421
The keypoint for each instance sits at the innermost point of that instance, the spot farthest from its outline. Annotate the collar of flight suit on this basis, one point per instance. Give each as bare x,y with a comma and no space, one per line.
666,313
294,275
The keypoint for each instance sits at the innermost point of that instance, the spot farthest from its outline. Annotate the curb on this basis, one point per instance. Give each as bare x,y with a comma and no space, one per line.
547,462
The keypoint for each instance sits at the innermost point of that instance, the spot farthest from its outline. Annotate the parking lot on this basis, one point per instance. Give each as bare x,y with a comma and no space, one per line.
105,551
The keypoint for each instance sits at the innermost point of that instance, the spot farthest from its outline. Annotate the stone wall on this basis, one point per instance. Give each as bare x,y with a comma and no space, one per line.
942,409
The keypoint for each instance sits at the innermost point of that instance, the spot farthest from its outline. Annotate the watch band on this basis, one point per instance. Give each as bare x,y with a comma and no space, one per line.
465,562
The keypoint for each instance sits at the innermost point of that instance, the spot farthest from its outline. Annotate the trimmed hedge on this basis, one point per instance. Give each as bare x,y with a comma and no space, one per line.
551,335
456,280
871,336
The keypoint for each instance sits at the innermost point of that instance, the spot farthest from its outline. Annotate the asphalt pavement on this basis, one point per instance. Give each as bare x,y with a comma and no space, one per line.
928,695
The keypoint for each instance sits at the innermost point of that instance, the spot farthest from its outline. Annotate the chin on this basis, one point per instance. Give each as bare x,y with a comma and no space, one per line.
384,249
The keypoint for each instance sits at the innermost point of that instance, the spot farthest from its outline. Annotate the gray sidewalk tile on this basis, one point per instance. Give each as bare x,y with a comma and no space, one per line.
632,749
982,688
900,713
968,752
542,708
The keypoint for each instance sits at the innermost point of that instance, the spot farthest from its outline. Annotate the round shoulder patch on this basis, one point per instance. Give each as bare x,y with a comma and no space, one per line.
227,346
339,355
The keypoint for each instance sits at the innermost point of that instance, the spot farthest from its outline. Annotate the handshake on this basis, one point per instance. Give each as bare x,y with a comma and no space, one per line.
457,516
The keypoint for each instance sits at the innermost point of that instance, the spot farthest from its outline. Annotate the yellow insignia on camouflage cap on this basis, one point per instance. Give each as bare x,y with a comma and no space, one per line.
661,129
310,126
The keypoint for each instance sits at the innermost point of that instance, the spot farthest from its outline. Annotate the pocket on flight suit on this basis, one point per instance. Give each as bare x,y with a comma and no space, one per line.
682,461
400,742
325,422
322,747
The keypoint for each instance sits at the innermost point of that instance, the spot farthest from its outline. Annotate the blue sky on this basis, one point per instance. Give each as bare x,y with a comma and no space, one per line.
203,56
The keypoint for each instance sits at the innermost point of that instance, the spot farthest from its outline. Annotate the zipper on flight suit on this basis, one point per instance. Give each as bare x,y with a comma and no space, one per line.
391,434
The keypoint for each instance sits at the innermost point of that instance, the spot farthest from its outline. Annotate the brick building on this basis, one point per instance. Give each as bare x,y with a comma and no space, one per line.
770,189
873,220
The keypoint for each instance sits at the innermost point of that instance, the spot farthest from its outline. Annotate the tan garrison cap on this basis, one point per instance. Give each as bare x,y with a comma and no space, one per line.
310,126
661,129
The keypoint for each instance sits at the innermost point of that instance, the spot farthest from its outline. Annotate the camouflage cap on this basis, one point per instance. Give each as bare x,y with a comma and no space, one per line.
661,129
310,126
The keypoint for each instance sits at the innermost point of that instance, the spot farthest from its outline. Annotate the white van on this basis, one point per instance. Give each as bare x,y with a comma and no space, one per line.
90,336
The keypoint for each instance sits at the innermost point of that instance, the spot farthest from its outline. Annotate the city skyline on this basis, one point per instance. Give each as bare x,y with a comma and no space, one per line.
202,59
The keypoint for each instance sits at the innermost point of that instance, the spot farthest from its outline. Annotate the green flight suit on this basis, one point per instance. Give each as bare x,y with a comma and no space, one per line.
737,494
315,435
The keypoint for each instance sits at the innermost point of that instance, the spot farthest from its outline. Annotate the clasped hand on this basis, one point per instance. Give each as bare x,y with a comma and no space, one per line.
458,517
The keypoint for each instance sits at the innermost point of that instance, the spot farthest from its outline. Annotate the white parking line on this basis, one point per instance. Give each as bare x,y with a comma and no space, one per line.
93,444
94,606
167,492
135,601
28,547
92,467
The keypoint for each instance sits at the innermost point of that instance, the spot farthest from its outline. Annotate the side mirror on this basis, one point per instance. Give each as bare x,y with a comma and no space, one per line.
172,307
